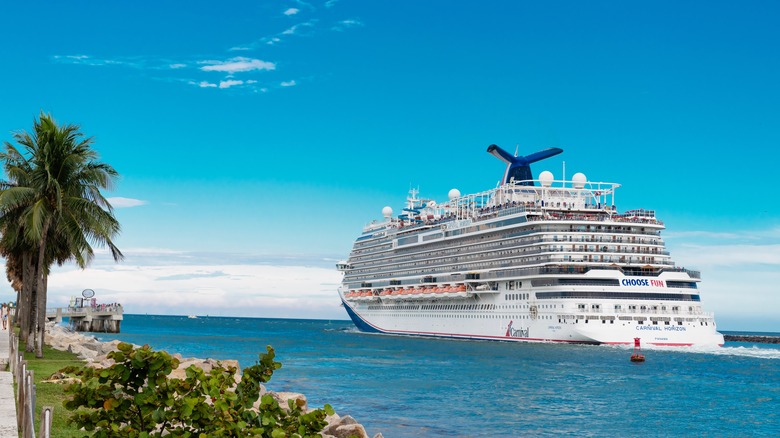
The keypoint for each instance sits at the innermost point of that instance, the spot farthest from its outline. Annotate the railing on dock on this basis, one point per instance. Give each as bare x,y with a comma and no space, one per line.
25,394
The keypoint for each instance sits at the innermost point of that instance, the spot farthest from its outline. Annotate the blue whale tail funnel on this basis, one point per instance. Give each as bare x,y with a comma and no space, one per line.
519,168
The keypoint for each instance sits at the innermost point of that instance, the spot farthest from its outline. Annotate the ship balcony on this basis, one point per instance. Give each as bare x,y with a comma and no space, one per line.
638,311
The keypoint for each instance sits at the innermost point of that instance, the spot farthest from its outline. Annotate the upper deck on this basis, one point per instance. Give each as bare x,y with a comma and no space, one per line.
574,200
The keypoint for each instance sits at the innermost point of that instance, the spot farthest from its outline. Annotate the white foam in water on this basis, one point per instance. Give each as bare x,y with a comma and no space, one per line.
756,352
761,353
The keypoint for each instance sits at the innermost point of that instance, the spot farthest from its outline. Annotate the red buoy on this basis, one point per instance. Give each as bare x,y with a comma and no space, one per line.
637,356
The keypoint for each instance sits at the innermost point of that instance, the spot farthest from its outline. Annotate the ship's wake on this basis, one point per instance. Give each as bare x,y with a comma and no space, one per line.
738,351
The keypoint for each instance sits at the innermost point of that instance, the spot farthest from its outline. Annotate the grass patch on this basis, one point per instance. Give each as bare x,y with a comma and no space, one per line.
52,394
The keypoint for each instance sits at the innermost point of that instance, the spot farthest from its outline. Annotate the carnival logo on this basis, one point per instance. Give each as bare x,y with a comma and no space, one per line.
516,333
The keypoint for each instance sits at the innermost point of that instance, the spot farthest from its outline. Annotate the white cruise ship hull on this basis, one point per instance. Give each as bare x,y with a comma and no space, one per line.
506,326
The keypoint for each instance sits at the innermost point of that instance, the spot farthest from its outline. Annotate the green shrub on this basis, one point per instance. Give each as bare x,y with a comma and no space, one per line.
135,397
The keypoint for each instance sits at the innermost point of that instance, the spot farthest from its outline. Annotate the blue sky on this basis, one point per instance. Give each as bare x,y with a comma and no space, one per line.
255,139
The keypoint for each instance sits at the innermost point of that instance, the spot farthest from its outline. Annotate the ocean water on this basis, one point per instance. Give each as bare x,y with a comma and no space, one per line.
417,387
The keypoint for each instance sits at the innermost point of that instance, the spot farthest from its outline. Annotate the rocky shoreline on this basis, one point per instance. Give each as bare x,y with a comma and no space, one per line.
94,353
753,338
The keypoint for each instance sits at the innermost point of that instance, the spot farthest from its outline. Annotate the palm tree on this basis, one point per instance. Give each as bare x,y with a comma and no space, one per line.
18,253
57,204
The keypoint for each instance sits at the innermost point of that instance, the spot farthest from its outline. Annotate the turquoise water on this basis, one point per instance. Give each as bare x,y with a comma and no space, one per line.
414,387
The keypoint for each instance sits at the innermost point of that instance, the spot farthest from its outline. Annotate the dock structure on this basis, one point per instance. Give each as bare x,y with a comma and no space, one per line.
101,318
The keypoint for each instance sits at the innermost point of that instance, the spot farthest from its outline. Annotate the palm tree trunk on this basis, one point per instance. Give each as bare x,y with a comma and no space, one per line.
28,293
42,289
40,328
30,332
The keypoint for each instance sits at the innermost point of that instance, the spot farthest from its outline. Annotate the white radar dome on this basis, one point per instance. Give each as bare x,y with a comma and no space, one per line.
454,193
546,178
579,180
387,212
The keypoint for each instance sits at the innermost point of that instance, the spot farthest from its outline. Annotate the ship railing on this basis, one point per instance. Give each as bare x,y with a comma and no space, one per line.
581,237
468,207
378,260
434,269
691,273
554,248
570,266
361,248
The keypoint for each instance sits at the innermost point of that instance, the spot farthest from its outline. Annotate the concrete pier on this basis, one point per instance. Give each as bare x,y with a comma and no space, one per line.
102,318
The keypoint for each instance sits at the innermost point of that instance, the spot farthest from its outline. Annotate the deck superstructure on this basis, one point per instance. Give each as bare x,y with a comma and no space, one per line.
530,260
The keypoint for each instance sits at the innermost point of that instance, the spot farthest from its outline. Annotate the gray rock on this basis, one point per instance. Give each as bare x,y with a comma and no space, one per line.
350,430
283,397
92,345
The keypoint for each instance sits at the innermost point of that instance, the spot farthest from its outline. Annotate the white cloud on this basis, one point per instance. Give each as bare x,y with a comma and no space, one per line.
120,202
218,284
291,11
347,24
238,64
744,235
273,40
733,256
739,274
330,3
288,83
204,84
229,83
296,29
177,65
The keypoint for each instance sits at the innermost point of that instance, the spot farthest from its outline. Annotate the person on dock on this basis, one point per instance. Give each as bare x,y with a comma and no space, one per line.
4,314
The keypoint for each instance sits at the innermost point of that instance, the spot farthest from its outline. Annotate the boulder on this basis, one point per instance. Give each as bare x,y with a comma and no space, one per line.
107,347
227,363
345,427
92,345
283,397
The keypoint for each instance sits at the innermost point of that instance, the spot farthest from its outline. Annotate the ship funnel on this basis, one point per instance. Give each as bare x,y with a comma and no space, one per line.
518,168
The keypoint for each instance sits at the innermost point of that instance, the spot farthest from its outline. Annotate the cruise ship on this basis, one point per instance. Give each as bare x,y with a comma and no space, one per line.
532,260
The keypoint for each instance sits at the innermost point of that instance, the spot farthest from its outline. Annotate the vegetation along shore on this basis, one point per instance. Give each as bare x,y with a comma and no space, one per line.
100,358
